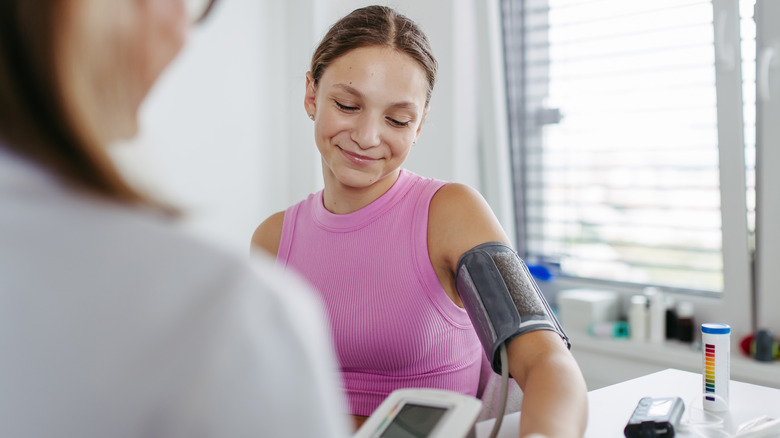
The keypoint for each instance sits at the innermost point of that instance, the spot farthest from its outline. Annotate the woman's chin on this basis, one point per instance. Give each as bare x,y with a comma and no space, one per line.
356,181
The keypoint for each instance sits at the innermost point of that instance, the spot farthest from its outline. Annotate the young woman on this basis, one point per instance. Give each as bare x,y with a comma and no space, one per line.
382,244
112,322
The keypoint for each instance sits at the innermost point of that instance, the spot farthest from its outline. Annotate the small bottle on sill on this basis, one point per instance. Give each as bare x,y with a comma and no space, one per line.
685,326
637,318
671,319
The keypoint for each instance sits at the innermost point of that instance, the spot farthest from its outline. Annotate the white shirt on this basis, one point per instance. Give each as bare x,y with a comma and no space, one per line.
115,324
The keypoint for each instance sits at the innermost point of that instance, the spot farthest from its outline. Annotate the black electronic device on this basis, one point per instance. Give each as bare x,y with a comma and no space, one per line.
655,417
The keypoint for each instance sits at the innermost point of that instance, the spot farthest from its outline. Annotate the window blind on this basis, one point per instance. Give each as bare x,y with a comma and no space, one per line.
614,137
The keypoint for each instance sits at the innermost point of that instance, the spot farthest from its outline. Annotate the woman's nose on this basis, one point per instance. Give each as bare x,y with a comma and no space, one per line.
366,131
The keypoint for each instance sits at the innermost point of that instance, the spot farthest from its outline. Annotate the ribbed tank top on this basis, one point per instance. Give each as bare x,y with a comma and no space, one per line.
393,324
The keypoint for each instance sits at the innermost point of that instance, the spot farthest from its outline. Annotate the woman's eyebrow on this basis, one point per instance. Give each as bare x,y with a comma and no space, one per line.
349,89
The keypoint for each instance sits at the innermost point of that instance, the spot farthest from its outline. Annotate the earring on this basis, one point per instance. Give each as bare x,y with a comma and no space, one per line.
311,116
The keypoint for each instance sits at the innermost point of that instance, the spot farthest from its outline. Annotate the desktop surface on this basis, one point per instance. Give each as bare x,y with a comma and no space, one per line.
609,408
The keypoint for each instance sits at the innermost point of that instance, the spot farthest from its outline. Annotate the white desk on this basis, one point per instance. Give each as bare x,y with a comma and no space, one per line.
610,407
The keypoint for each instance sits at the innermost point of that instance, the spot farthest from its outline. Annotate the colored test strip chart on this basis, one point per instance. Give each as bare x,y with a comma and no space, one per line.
709,371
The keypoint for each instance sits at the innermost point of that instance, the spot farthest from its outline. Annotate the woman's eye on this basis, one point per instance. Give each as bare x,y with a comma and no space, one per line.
397,123
345,107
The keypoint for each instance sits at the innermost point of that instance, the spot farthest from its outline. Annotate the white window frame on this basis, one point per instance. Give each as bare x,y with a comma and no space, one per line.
735,304
767,161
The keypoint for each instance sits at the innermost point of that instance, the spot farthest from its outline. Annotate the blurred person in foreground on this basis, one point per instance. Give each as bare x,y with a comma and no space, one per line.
113,322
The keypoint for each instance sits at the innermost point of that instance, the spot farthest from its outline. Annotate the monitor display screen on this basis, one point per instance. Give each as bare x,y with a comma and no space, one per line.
414,421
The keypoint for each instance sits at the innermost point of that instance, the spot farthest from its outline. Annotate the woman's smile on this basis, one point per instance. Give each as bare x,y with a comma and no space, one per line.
357,158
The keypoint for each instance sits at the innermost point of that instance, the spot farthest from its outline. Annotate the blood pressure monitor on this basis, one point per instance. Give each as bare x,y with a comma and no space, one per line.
655,417
422,413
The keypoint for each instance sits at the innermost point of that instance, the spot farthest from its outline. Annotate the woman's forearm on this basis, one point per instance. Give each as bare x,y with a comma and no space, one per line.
555,401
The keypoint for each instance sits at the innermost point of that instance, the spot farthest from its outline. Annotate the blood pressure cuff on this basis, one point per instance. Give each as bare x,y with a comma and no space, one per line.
501,298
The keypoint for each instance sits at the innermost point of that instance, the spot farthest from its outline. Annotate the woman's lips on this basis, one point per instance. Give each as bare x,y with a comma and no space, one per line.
357,158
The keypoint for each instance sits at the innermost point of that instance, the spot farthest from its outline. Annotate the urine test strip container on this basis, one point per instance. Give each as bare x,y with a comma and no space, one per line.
716,372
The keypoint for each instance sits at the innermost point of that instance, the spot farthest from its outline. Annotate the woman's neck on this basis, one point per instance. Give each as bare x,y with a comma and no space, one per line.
340,198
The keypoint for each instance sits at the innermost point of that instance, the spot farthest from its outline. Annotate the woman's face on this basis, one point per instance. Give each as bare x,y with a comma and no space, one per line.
368,109
110,54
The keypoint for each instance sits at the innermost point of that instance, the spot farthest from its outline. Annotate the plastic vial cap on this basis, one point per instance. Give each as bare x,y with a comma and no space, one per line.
715,329
685,309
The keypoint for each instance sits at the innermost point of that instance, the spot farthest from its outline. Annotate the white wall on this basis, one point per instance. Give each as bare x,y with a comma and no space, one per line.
225,134
206,142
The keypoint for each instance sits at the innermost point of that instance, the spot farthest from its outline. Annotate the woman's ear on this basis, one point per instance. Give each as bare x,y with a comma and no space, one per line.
422,120
310,98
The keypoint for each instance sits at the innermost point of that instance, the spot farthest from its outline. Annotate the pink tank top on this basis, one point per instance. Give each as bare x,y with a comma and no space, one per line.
393,324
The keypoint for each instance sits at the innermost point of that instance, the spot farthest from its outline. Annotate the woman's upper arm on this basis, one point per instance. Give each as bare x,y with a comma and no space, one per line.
268,234
460,219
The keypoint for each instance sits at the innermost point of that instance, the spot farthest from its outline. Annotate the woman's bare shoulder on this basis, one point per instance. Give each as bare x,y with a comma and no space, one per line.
268,234
460,219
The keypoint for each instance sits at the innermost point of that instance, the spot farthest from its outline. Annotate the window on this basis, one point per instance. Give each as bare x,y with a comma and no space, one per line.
629,139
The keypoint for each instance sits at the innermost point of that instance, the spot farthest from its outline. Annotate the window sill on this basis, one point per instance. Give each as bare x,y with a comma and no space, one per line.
608,361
